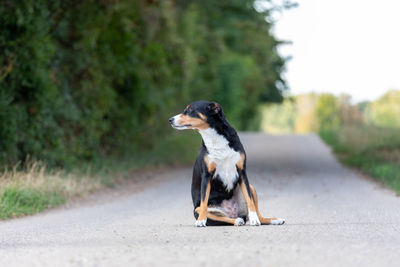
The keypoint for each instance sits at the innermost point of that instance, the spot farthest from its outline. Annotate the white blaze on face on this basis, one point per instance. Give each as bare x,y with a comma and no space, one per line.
224,156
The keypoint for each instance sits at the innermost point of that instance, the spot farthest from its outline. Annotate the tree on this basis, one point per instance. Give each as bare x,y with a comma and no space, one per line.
83,79
385,111
327,111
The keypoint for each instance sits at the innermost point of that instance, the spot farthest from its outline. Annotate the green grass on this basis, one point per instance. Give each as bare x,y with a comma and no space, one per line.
33,188
374,150
15,202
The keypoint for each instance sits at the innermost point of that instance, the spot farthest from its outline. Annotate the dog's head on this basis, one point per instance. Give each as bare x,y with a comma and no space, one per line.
199,115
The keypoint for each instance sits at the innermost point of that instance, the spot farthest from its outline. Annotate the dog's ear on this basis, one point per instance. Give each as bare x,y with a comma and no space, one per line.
214,108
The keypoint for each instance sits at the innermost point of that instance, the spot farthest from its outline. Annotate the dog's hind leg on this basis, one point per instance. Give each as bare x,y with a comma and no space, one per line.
248,196
222,218
237,222
261,218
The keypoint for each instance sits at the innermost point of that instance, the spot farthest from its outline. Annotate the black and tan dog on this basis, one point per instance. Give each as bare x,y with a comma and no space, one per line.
221,191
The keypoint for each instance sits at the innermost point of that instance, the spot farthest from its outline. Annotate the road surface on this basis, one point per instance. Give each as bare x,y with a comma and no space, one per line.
334,217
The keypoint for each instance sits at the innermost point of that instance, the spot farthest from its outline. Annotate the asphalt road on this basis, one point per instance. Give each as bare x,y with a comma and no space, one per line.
334,217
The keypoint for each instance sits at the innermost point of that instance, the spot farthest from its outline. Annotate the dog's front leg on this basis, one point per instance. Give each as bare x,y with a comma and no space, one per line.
245,188
207,174
205,194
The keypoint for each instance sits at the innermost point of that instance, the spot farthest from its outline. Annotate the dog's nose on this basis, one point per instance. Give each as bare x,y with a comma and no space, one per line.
171,120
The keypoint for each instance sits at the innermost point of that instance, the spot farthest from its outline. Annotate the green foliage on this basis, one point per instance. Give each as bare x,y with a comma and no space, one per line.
387,173
16,202
331,137
385,112
297,114
86,79
373,150
279,118
328,112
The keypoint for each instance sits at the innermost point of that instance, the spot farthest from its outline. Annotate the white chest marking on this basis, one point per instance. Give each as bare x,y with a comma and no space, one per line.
225,158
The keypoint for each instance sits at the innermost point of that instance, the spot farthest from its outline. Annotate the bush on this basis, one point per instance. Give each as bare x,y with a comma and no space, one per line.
385,112
87,79
371,149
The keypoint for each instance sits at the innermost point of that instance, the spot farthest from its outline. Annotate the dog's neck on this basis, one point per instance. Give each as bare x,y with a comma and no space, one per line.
217,145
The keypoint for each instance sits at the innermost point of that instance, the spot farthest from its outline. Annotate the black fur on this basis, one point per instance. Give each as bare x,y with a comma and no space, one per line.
216,120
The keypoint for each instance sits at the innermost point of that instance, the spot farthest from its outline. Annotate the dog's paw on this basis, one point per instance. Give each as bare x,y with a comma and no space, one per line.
278,221
239,222
253,219
201,223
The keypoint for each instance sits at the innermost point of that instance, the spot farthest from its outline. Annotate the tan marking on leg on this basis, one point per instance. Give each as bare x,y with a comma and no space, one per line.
204,203
249,201
218,218
210,164
255,199
240,163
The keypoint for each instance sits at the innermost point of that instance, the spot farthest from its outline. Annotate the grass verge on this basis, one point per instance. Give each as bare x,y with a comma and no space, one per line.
33,188
373,150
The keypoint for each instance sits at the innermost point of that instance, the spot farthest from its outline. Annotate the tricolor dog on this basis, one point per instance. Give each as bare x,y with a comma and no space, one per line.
221,191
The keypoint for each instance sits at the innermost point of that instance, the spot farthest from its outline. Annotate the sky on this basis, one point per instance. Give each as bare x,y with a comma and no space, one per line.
342,46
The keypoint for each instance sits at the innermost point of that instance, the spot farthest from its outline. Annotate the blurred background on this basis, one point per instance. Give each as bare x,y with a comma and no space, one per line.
342,54
88,86
342,70
83,79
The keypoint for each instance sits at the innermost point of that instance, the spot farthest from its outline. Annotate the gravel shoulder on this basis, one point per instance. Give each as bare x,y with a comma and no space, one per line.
334,217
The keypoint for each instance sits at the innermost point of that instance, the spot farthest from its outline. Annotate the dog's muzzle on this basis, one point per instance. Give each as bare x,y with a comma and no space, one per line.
174,121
